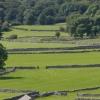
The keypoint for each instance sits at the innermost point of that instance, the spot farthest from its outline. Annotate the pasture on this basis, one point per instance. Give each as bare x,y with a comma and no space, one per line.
40,30
42,27
44,80
7,95
23,33
14,45
53,80
53,59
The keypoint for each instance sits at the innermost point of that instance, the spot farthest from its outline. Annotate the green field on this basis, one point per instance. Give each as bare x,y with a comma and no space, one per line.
53,59
7,95
53,80
42,27
23,33
49,80
12,45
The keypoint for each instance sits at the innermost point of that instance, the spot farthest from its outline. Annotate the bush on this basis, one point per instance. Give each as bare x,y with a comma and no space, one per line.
5,26
3,56
14,36
57,34
62,29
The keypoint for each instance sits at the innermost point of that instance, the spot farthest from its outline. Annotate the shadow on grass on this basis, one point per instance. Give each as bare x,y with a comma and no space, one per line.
9,78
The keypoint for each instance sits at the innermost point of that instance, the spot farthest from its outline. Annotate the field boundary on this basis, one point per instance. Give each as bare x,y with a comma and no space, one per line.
73,66
24,29
46,94
51,52
65,48
54,66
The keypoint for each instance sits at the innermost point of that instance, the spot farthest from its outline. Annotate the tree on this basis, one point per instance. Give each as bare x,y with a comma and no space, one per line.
28,17
2,13
21,11
92,10
47,16
57,34
3,56
81,26
70,7
0,29
5,26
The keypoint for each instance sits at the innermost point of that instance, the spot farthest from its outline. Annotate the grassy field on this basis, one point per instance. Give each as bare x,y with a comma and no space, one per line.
53,59
49,80
42,27
52,80
23,33
7,95
12,45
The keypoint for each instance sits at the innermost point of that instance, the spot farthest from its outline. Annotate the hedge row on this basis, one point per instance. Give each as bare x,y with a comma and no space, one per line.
13,69
46,49
35,94
7,71
87,98
32,29
23,67
51,52
84,89
6,90
73,66
53,67
88,95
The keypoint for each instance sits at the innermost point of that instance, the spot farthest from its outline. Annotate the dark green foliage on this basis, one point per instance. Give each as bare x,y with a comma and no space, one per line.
33,11
5,26
47,16
0,29
62,29
3,56
57,34
85,26
14,36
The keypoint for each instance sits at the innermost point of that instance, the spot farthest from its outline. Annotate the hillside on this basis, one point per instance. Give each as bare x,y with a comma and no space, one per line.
41,11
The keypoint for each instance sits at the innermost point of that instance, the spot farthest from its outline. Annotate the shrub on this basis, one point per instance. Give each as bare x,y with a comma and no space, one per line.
57,34
14,36
62,29
3,56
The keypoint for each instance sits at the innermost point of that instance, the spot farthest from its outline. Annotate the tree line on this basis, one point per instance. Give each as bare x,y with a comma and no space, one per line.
86,25
41,11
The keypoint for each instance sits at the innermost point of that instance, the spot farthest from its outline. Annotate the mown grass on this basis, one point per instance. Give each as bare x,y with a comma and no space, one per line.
53,59
23,33
42,27
12,45
7,95
52,80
